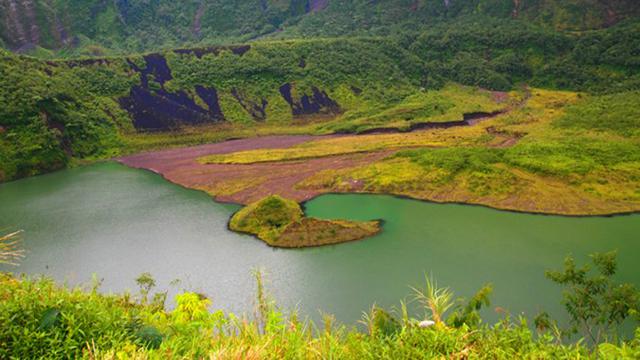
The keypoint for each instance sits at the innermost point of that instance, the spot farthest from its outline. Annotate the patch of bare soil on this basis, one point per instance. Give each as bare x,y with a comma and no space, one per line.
503,139
244,184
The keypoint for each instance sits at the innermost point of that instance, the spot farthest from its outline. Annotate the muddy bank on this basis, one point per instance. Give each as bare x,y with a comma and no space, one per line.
164,160
243,184
246,183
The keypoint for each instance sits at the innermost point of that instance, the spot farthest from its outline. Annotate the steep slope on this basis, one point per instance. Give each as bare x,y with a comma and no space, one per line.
98,27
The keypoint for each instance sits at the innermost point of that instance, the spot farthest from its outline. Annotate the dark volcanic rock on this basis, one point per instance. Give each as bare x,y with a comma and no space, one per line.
156,66
257,110
316,103
210,97
160,109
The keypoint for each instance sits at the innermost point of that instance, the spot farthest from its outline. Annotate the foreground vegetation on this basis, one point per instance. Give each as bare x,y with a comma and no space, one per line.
43,320
281,222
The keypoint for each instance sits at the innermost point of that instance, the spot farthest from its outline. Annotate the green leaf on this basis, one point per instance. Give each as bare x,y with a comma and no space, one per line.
49,319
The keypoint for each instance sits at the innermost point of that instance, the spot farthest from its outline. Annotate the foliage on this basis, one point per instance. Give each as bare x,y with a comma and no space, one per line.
619,114
469,313
49,114
43,320
537,157
57,113
596,303
93,27
436,299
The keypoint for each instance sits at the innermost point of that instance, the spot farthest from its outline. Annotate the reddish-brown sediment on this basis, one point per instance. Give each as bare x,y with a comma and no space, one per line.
246,183
180,166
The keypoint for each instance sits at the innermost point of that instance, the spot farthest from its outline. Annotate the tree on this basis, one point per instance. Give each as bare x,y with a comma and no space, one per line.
146,282
596,303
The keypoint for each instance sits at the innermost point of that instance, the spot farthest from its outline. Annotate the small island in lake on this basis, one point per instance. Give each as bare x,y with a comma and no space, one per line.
281,222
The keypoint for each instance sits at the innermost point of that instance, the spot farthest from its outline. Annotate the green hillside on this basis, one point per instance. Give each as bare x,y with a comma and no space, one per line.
56,112
95,27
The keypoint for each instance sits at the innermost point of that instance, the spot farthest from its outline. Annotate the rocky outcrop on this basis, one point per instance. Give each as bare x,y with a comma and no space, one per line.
318,102
18,33
152,107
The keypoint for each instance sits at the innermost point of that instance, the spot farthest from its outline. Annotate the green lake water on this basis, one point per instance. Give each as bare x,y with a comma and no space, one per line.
118,222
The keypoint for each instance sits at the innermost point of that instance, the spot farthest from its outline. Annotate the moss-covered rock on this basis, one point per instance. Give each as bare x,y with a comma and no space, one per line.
281,222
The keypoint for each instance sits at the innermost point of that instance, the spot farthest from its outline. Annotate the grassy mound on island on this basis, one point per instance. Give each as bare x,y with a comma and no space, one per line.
281,222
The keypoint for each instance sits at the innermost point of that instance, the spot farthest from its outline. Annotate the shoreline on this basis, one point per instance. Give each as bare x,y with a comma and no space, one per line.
397,196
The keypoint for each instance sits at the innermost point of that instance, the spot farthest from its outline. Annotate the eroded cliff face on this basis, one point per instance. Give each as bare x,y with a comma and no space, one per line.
28,23
152,106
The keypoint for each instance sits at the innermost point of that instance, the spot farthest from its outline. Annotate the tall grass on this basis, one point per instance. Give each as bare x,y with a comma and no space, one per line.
42,320
39,319
436,300
10,250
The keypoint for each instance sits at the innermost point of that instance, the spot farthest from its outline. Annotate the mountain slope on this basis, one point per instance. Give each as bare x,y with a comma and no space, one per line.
96,27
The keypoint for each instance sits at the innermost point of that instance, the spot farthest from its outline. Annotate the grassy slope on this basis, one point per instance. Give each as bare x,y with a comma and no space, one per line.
572,171
541,157
281,223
